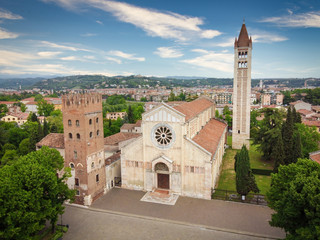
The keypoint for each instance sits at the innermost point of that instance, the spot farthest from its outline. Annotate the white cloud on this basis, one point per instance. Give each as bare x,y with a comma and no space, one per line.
309,19
226,43
268,38
99,22
65,47
168,52
116,60
212,60
4,14
48,54
126,56
155,23
88,35
69,58
4,34
89,57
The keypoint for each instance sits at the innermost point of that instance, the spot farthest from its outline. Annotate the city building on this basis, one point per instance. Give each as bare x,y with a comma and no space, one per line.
84,145
241,89
19,118
180,150
115,115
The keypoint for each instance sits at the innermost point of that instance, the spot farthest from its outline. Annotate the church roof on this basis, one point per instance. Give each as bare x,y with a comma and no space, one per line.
53,140
315,156
210,135
243,39
119,137
192,109
112,158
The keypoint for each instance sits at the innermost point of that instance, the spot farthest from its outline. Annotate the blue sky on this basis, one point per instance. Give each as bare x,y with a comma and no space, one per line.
157,38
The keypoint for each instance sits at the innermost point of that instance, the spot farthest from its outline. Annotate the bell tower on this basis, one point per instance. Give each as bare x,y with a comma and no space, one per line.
241,89
84,146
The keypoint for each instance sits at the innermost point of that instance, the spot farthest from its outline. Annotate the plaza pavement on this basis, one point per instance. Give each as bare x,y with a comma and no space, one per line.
244,219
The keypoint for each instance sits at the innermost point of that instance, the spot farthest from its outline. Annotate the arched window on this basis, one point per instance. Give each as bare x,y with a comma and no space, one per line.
75,154
97,120
70,135
69,122
72,165
92,165
90,134
90,121
77,123
78,135
98,132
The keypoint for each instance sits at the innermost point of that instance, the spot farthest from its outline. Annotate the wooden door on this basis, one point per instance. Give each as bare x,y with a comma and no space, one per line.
163,181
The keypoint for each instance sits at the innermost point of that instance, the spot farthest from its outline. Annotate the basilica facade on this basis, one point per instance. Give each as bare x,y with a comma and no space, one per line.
180,150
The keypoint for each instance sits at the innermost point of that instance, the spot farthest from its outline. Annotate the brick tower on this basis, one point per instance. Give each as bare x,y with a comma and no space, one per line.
84,150
241,89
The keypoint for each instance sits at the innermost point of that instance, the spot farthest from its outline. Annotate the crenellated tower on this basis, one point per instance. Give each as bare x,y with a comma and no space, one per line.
241,89
84,145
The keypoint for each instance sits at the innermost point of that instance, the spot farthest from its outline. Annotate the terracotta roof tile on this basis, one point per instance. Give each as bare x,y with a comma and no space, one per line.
191,109
53,140
305,112
315,156
112,158
210,135
311,123
120,137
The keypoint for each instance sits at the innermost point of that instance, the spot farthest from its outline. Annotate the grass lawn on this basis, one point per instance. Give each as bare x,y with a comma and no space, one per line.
227,179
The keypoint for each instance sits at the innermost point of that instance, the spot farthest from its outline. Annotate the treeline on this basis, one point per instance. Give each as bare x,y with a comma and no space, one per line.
311,96
283,141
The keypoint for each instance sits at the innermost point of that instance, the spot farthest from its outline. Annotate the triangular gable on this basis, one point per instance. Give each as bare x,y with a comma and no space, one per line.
163,113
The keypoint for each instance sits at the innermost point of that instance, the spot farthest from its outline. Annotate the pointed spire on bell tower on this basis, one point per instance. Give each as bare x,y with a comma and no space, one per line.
243,39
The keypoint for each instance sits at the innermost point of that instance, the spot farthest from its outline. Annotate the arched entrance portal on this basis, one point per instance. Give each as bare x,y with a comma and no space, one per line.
162,171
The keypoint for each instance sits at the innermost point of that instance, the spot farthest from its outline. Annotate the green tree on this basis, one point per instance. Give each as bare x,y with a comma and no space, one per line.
172,97
32,117
16,135
31,193
268,131
143,99
3,110
55,122
287,136
44,108
309,139
226,110
45,128
277,154
295,197
245,180
130,115
38,98
296,116
297,152
9,157
24,147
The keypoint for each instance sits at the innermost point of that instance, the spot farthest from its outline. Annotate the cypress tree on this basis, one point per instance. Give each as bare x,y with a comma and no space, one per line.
130,115
278,153
45,128
297,148
245,181
287,136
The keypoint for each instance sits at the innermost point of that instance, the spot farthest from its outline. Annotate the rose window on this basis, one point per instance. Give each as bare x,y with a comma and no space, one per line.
163,135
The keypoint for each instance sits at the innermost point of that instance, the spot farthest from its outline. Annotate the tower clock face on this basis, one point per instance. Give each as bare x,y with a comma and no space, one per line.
163,135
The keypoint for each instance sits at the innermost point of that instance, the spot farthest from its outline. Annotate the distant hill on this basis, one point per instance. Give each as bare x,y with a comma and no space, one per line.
14,83
99,81
138,81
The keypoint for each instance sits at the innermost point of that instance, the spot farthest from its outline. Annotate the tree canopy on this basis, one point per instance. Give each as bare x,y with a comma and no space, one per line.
31,193
295,197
